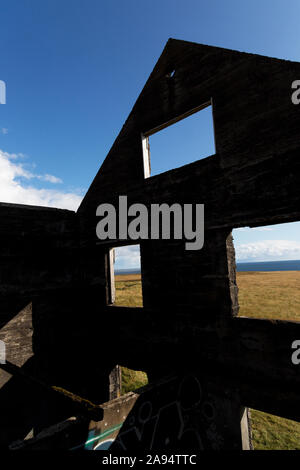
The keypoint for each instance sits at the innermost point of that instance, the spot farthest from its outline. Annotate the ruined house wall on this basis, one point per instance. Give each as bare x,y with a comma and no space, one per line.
190,298
49,321
37,256
174,413
37,277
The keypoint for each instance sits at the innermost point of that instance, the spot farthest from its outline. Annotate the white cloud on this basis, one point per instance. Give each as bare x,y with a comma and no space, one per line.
258,229
263,229
4,131
127,257
49,178
12,188
269,250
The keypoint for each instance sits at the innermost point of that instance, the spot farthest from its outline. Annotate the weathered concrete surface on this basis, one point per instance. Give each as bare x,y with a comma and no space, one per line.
37,259
187,413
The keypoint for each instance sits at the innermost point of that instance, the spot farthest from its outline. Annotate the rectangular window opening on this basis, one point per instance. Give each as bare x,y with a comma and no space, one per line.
186,139
125,283
268,271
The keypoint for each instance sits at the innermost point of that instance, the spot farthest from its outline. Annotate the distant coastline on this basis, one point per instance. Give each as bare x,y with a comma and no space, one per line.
289,265
127,271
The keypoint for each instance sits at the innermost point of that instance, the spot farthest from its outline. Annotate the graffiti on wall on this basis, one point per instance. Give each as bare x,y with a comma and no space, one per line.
180,414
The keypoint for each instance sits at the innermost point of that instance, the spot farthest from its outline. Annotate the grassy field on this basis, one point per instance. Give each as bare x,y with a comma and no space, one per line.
132,379
273,295
272,433
129,290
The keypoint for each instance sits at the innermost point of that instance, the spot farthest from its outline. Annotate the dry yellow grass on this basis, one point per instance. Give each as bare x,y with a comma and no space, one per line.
127,277
128,290
273,295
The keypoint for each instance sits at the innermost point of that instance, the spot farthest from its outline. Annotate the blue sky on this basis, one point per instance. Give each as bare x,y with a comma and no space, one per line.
186,141
73,70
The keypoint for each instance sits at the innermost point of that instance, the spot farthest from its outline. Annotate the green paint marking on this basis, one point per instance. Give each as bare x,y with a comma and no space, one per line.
105,433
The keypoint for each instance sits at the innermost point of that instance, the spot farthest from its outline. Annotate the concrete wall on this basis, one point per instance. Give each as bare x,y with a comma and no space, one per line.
38,252
190,298
187,413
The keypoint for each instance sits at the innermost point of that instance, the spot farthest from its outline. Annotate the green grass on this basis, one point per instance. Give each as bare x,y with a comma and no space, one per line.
132,379
273,295
272,433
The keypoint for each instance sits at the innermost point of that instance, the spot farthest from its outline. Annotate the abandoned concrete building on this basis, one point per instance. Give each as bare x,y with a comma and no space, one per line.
205,364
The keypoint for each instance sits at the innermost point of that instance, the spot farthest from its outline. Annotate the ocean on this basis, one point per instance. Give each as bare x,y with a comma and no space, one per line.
292,265
128,271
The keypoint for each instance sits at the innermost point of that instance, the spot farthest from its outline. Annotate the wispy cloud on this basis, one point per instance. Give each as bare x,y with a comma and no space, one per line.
127,257
4,131
268,250
13,189
254,229
263,229
49,178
